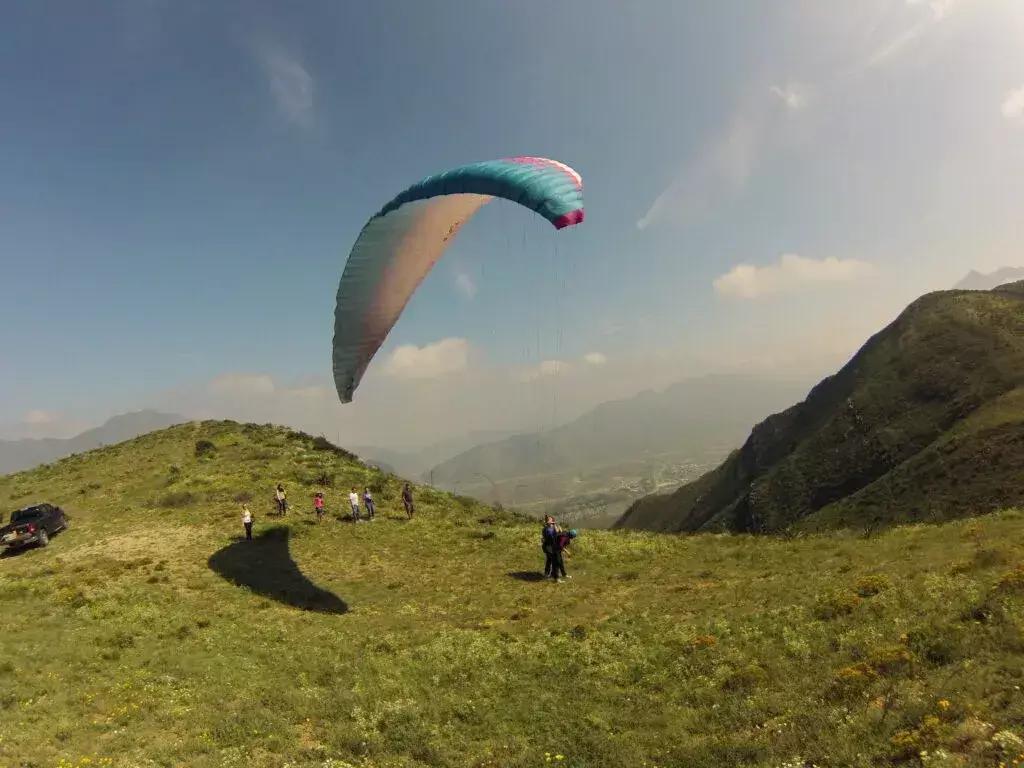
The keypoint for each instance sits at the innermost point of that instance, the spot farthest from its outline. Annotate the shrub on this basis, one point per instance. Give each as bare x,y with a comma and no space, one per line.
121,640
175,499
871,585
835,604
936,644
891,660
703,641
744,679
243,497
852,680
205,448
988,557
323,444
909,744
1013,581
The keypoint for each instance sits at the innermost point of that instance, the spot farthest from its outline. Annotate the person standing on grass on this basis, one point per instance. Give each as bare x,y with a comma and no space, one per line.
282,501
368,501
318,505
247,521
562,541
407,500
548,545
353,499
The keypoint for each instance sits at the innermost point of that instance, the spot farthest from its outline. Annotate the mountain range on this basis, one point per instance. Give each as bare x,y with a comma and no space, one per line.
653,438
415,463
16,455
925,423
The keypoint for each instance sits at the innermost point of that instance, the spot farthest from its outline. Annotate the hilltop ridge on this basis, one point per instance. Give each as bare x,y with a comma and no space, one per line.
925,423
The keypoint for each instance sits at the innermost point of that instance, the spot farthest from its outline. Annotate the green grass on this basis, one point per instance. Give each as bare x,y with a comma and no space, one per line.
121,646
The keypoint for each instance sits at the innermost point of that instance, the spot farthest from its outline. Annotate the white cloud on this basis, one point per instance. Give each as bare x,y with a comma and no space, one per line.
595,358
429,361
1013,104
309,392
791,273
465,284
40,422
290,84
40,418
793,95
242,384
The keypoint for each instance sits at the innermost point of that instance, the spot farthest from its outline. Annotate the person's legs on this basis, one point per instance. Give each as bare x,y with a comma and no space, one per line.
248,531
559,566
355,512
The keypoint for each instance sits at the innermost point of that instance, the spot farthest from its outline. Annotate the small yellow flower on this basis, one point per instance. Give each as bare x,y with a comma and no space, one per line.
559,757
943,704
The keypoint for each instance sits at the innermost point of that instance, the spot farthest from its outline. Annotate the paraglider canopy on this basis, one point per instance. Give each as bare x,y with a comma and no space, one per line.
399,245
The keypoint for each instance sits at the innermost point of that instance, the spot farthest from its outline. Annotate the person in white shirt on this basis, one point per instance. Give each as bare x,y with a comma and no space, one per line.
353,499
282,501
247,521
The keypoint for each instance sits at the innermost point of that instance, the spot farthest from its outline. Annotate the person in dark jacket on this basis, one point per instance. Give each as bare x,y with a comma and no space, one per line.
549,544
407,500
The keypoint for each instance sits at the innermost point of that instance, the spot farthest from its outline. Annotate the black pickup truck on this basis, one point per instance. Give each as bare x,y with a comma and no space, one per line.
33,525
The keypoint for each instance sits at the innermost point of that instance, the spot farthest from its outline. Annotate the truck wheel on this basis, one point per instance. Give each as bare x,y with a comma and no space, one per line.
44,537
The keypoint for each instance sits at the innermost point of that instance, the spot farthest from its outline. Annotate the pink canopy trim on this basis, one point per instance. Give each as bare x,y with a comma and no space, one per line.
569,219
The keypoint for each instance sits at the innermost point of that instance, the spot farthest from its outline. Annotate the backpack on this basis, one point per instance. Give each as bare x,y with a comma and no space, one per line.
549,539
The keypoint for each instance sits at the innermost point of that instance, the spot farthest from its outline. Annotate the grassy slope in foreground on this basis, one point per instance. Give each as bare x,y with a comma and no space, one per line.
919,426
120,645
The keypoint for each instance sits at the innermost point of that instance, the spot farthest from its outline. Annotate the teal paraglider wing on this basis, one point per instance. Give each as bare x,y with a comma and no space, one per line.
398,246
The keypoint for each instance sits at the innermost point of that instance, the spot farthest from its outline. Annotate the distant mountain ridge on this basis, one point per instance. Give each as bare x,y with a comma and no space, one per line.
925,423
977,281
415,463
692,416
16,455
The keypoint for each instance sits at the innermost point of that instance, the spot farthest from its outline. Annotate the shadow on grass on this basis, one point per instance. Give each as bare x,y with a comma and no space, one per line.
265,566
527,575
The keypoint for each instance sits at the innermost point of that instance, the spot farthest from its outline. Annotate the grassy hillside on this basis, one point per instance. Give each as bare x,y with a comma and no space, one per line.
924,423
147,635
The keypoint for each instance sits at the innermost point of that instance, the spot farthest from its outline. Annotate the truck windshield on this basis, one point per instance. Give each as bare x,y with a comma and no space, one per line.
25,514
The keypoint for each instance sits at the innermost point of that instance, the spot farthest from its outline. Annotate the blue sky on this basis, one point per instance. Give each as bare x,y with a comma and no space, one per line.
182,181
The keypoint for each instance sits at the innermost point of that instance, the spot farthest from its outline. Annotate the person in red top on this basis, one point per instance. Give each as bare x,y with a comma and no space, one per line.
562,541
318,505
